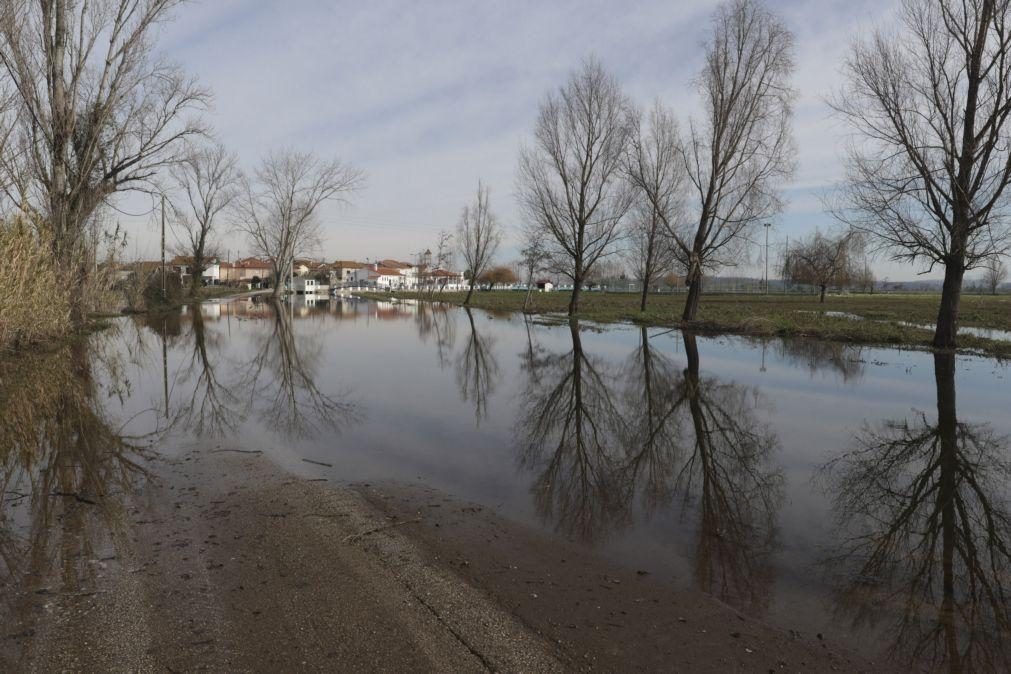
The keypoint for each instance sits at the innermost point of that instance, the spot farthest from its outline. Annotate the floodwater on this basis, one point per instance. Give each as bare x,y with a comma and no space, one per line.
858,492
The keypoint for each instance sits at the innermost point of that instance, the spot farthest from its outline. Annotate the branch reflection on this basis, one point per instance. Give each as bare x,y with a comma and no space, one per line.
281,381
571,438
600,439
922,510
64,469
477,370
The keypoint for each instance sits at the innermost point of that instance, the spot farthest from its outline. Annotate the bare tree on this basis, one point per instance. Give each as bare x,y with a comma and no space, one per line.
823,260
571,180
533,255
98,113
656,169
742,148
478,236
207,178
930,109
994,273
442,260
278,208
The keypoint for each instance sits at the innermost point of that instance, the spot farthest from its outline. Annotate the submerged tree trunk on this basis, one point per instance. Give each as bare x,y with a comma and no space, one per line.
946,333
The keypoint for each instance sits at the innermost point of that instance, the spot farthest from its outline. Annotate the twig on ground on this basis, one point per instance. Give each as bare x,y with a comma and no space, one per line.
319,463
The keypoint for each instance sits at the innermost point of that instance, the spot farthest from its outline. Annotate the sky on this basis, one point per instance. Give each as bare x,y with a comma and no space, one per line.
429,97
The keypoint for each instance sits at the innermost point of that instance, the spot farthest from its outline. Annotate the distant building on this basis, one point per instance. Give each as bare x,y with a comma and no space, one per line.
251,270
308,285
342,272
183,265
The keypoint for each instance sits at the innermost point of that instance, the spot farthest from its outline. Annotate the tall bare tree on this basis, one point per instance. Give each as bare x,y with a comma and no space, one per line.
656,169
98,113
931,111
208,180
478,236
571,180
741,149
994,273
278,207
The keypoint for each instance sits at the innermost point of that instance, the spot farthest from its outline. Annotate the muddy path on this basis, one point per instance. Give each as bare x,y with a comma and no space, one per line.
222,562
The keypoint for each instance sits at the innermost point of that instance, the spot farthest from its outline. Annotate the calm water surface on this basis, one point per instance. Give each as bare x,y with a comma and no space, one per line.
857,492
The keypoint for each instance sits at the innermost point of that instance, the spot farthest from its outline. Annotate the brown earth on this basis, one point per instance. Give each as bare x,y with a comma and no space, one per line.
222,562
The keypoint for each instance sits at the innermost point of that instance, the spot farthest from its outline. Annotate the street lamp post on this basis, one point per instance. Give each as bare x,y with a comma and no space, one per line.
767,226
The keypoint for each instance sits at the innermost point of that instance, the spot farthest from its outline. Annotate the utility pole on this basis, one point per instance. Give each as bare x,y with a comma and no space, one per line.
164,294
786,253
767,226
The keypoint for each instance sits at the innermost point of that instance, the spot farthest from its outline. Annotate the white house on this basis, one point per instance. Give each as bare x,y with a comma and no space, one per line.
308,285
380,277
212,268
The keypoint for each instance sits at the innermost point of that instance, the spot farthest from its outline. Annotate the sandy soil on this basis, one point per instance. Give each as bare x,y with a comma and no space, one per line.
222,562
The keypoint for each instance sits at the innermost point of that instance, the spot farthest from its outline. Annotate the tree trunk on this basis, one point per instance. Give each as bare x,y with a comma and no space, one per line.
822,300
526,300
577,289
470,291
196,276
946,334
78,313
276,290
694,283
645,292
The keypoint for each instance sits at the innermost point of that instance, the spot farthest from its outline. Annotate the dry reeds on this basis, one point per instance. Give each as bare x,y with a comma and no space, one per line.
34,305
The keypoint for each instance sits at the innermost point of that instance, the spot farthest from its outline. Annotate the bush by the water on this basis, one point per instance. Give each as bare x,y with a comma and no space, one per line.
34,305
153,296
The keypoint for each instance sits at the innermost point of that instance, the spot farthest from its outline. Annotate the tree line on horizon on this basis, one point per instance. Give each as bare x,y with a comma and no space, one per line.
89,110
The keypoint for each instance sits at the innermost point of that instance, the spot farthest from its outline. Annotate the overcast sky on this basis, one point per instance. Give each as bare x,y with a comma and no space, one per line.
428,97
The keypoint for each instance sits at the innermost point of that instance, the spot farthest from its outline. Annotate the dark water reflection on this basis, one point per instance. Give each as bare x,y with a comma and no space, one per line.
64,466
802,482
924,535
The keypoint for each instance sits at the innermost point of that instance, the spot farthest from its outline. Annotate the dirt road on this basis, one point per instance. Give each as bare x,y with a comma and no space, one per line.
221,562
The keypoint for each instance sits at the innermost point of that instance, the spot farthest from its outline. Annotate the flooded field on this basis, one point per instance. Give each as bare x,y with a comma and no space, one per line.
855,492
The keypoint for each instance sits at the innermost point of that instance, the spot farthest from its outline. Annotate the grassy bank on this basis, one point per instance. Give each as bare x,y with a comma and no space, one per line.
772,315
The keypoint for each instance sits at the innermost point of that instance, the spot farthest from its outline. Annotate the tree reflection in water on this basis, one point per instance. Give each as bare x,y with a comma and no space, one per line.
213,408
64,468
477,370
599,439
281,381
822,355
571,430
728,477
434,321
212,396
922,507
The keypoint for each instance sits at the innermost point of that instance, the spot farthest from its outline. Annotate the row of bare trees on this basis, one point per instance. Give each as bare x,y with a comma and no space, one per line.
928,164
596,171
